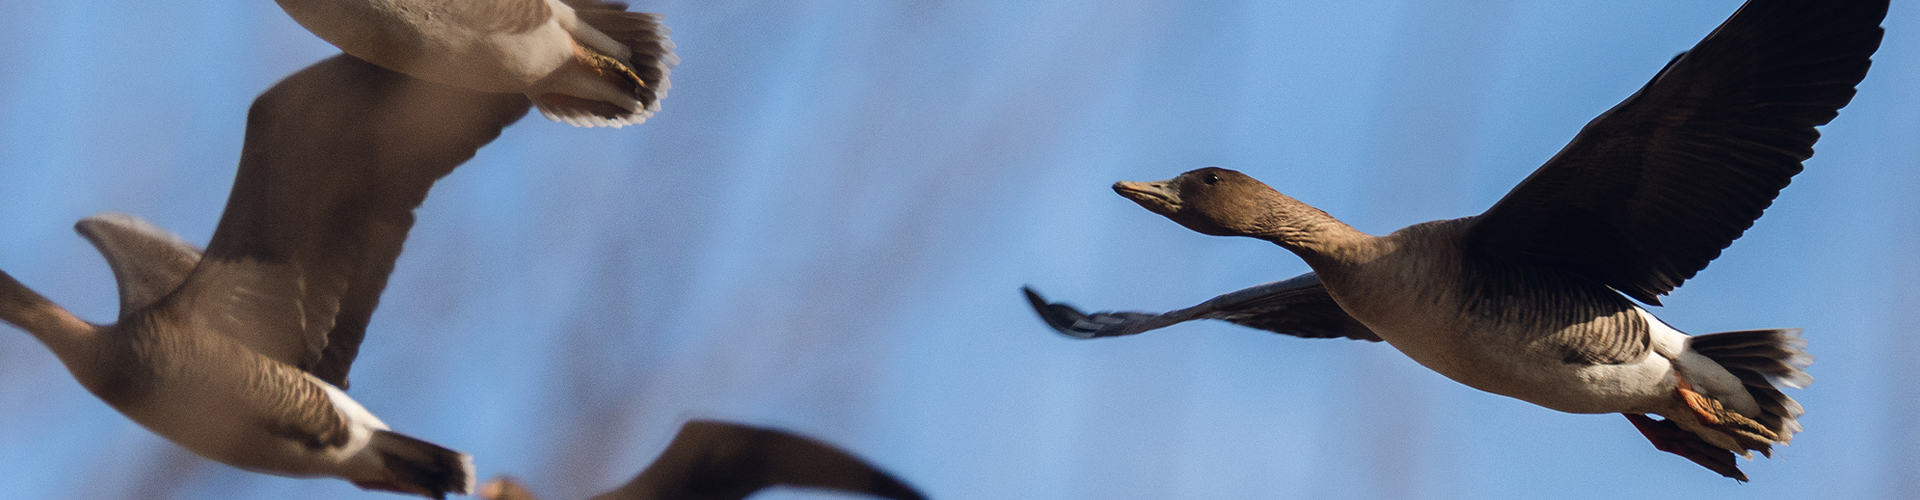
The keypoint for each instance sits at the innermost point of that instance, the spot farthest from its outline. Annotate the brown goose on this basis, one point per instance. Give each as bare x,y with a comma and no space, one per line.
711,460
1534,298
241,355
587,63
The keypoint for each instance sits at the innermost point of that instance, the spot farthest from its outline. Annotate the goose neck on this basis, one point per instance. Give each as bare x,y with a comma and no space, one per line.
67,335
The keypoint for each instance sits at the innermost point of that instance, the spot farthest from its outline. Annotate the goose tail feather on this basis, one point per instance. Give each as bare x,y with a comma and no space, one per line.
419,467
1765,361
610,85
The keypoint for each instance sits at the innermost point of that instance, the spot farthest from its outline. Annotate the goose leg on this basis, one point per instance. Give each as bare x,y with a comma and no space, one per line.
1669,437
1747,432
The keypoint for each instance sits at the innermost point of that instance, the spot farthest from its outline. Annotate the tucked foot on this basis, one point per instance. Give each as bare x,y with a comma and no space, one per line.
1669,437
1746,432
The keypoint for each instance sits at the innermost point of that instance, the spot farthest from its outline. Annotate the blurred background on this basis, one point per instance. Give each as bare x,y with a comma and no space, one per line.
826,227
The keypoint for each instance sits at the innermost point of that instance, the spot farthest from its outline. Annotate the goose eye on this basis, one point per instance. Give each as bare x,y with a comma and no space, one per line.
1211,179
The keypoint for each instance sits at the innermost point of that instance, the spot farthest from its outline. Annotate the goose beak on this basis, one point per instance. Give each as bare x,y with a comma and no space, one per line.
1159,197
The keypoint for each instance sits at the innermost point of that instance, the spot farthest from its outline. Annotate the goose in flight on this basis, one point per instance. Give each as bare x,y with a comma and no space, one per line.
587,63
240,354
711,460
1534,298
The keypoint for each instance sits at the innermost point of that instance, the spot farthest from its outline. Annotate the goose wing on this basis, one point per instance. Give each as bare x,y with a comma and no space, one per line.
1297,306
711,460
1652,190
336,158
148,262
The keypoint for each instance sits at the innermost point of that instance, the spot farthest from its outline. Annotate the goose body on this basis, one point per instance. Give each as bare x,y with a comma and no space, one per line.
240,353
170,371
1535,298
583,62
1568,343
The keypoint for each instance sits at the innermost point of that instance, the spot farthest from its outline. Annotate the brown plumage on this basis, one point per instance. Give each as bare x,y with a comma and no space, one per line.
240,354
1534,298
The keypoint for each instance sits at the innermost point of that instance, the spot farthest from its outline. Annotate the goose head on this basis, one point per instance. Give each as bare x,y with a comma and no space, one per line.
1212,200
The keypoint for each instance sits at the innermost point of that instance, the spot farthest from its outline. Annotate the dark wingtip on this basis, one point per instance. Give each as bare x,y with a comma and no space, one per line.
1060,317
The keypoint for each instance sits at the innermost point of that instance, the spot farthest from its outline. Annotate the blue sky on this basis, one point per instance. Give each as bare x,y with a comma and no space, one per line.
826,227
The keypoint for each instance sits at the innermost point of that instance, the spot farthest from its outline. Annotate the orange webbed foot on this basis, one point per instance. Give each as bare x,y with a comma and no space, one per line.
1746,432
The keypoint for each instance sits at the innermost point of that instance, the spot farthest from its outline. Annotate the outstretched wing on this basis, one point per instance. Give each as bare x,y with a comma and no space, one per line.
1297,306
336,158
1652,190
712,460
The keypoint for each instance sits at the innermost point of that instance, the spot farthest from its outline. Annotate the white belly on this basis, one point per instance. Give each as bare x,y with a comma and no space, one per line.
1543,380
1501,362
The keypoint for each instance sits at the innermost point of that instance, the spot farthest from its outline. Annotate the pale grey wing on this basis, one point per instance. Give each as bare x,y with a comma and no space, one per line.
336,158
148,262
1652,190
711,460
1297,306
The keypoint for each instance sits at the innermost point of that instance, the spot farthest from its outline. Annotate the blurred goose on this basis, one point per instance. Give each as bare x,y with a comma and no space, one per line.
587,63
241,354
712,460
1534,298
